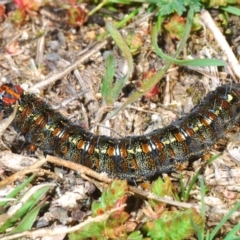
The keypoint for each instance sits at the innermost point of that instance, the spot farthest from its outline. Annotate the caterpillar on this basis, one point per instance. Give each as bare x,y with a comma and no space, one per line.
134,158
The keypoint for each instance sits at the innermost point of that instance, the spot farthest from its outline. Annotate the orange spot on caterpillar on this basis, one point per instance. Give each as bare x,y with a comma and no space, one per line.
80,144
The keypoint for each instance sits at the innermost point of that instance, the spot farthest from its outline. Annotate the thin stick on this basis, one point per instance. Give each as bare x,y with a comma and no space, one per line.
79,168
5,124
61,74
166,200
18,175
82,170
220,39
58,231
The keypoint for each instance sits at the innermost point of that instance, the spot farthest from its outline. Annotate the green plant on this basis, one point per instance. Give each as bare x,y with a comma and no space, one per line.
110,91
185,192
113,197
169,224
202,234
25,209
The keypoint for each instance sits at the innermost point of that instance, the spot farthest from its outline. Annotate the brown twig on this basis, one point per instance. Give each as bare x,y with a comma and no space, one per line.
79,168
166,200
31,169
82,170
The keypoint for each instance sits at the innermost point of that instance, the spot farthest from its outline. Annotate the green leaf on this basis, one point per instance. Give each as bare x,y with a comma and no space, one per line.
162,187
90,231
25,204
230,235
109,90
194,62
28,220
232,10
135,236
107,83
120,42
18,189
110,197
223,221
199,230
114,196
167,7
120,24
148,85
120,1
195,5
174,225
186,192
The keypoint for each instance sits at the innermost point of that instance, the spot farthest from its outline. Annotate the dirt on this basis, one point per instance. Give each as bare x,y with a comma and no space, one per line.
45,45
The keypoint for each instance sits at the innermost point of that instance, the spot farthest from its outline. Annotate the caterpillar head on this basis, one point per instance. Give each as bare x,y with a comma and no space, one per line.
9,94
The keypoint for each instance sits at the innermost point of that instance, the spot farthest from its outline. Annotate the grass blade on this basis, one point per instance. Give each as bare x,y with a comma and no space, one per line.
17,189
223,221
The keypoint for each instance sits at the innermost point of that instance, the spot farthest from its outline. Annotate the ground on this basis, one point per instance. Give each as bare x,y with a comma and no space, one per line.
64,64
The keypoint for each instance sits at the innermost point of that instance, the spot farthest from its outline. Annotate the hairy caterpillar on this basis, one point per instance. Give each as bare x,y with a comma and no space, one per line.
135,158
